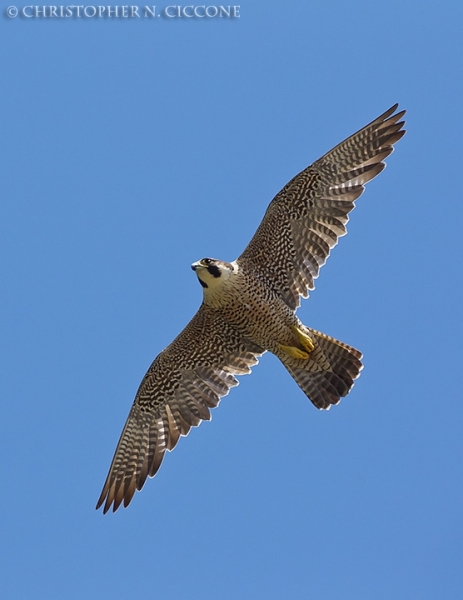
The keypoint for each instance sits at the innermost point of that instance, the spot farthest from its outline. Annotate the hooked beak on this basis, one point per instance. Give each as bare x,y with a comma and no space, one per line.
196,265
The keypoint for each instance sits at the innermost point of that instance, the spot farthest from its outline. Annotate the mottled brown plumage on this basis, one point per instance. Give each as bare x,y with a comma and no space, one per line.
249,308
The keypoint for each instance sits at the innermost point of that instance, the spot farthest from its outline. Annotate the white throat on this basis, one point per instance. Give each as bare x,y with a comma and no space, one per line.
219,289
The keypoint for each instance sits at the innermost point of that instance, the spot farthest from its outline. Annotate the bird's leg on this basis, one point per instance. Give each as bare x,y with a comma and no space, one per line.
305,341
294,352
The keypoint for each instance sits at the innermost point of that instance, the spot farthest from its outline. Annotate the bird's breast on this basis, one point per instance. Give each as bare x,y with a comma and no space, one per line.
261,317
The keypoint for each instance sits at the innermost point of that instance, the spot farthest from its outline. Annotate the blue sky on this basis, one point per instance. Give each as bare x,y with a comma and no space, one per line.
131,148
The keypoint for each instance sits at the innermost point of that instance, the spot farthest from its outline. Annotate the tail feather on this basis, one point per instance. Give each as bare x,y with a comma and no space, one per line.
346,359
329,373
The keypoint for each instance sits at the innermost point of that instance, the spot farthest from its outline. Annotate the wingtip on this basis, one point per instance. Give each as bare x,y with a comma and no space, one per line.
101,499
105,500
391,116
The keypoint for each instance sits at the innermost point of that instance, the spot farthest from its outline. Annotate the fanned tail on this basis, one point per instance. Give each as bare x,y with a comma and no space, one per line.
330,371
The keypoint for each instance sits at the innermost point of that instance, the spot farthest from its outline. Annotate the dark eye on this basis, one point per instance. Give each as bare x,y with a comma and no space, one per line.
207,261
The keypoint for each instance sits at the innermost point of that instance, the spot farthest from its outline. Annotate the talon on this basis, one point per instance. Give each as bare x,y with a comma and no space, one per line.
294,352
304,339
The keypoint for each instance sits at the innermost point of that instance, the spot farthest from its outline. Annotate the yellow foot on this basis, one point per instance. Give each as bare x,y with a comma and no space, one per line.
294,352
304,339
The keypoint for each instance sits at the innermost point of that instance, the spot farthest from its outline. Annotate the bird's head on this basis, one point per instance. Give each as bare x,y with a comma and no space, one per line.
212,273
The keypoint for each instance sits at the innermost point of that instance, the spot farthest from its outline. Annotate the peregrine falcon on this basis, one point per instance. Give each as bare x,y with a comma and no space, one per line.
249,307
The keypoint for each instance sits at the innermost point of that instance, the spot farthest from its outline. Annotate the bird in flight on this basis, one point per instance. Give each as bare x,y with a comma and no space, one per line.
249,307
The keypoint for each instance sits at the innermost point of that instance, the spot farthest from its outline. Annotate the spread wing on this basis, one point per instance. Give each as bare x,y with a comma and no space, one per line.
187,379
306,218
